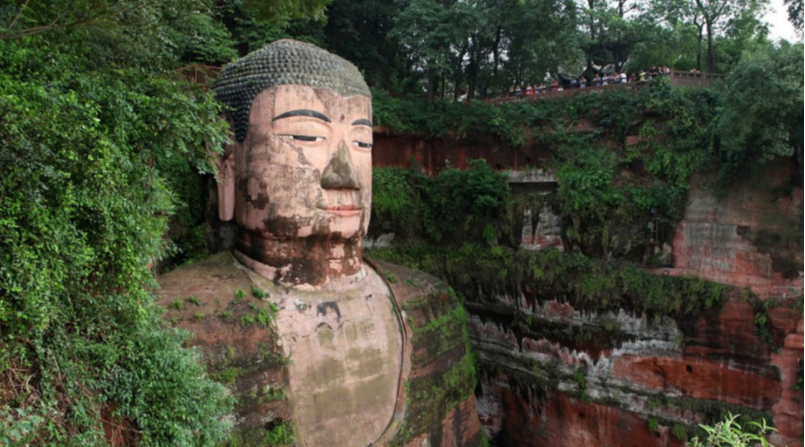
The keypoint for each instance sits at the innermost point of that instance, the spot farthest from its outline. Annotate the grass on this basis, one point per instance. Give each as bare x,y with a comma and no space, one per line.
259,293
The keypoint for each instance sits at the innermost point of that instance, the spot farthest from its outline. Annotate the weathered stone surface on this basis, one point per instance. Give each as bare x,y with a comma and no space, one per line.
541,229
750,238
257,361
345,347
787,411
631,369
283,62
435,154
699,379
203,298
518,415
634,368
439,409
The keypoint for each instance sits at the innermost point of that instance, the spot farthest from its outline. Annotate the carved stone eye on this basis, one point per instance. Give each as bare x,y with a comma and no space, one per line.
305,138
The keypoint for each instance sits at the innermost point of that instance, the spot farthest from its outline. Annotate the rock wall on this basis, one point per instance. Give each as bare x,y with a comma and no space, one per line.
751,237
623,379
436,154
553,375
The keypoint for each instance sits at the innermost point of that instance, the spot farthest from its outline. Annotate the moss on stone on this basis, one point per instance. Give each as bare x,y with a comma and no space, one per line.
479,273
440,335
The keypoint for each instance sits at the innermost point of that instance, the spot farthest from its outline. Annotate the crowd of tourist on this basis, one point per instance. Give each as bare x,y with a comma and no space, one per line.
600,79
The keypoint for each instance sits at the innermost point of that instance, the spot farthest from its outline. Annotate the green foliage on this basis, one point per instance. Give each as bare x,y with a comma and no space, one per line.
280,435
762,323
604,209
177,305
390,276
454,200
795,14
457,197
763,109
83,210
476,271
259,293
585,185
394,196
271,394
17,427
262,316
153,34
729,433
679,431
439,325
278,11
549,120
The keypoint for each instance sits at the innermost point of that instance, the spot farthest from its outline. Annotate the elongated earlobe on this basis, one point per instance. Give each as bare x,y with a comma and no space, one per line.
226,185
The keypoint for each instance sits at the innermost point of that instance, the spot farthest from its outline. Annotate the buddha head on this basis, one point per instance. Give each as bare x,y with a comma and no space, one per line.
297,177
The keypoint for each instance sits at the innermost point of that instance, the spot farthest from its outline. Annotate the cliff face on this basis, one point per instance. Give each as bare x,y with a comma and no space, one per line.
556,375
558,372
752,237
623,380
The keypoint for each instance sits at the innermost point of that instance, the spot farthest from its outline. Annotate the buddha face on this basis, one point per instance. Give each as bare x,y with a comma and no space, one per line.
305,167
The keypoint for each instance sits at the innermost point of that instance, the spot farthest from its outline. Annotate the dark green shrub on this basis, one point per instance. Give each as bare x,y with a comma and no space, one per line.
83,211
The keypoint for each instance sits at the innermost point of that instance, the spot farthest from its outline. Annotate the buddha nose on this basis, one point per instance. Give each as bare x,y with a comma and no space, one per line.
340,172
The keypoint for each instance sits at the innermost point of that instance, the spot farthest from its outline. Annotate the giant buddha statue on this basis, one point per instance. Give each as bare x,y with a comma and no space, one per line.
312,339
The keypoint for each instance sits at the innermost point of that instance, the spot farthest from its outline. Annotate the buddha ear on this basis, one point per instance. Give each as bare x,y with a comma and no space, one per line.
226,182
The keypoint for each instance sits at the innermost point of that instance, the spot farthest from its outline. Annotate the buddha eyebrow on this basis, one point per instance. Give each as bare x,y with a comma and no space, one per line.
303,112
362,122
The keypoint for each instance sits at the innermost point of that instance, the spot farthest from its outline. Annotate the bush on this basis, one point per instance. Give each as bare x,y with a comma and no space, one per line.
605,210
394,199
728,433
450,206
478,272
458,198
83,210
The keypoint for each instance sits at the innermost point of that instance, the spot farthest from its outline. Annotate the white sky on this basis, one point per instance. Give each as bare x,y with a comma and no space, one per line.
779,26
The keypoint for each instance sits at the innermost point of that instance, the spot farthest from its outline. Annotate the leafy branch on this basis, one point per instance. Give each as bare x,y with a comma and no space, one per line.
70,16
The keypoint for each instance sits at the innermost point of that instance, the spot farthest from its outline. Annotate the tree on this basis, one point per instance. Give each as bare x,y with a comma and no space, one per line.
537,36
95,142
795,14
484,46
716,14
609,28
157,34
360,32
434,36
762,115
35,17
83,205
282,11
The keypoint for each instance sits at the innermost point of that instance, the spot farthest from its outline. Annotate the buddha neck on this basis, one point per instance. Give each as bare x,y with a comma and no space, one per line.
312,261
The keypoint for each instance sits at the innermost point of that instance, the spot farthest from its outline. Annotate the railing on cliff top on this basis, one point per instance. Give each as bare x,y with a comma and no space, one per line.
206,74
677,79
